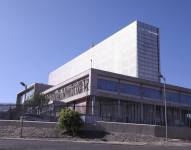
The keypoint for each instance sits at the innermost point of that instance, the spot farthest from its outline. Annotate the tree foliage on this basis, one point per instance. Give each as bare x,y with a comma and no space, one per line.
70,120
37,100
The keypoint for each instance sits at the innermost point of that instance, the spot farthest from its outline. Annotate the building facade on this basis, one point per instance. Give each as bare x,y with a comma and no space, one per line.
114,97
118,80
132,51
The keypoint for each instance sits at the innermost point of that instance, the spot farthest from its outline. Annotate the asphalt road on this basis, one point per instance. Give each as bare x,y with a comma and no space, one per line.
13,144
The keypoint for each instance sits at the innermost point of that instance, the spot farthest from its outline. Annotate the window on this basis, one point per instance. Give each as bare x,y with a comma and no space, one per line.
186,99
172,96
30,94
107,85
151,93
129,89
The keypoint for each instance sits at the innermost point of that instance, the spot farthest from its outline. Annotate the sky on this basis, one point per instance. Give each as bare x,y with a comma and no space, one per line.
38,36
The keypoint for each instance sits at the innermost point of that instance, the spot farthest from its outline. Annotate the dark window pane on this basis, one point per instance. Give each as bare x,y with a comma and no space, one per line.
107,85
151,93
129,89
186,99
171,96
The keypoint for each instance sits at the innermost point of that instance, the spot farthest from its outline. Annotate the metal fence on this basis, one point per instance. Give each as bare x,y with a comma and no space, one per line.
125,112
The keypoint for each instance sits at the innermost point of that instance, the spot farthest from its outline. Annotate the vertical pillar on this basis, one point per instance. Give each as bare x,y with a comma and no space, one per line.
162,115
74,105
93,108
180,112
93,105
119,109
155,115
142,113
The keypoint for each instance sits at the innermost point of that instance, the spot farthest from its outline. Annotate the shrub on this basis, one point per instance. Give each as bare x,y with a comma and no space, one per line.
70,120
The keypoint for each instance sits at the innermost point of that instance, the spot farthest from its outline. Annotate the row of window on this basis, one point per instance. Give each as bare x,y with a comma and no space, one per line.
148,42
151,50
144,65
147,37
142,37
146,26
152,53
147,92
149,56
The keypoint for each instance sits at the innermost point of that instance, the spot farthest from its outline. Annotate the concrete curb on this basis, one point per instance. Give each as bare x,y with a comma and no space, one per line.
77,141
102,142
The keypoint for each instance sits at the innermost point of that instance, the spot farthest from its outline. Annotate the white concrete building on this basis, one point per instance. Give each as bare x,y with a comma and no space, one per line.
132,51
121,85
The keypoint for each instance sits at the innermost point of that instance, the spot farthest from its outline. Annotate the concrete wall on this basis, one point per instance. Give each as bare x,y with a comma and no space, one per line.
12,128
143,129
49,129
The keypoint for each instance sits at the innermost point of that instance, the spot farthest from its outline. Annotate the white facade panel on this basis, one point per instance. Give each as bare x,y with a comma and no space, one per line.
116,54
133,51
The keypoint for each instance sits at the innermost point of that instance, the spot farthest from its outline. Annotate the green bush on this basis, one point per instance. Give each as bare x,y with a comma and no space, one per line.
70,120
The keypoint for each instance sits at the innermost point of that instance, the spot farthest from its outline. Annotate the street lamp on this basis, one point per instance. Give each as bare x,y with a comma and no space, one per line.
166,124
25,85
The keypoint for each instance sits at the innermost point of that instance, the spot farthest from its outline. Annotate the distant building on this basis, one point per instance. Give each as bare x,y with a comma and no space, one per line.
35,88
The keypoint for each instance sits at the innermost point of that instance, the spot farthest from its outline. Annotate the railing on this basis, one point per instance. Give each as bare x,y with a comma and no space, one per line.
129,113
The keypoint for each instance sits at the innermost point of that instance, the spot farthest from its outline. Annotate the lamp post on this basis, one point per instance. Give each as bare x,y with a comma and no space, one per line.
165,106
25,85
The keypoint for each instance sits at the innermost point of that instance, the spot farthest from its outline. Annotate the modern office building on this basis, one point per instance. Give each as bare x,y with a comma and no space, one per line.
132,51
115,97
118,80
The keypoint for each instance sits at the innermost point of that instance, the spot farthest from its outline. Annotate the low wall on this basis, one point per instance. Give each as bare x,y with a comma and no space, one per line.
12,128
144,129
49,129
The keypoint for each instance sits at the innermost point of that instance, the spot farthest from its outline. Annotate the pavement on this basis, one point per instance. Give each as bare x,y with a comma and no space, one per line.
61,144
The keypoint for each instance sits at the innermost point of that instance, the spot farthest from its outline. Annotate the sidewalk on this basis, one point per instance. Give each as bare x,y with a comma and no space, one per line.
171,142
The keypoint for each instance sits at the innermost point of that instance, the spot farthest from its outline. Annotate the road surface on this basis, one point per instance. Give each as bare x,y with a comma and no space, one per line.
18,144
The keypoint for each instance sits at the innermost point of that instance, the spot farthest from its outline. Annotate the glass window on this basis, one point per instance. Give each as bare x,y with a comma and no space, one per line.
129,89
172,96
186,99
30,94
151,93
107,85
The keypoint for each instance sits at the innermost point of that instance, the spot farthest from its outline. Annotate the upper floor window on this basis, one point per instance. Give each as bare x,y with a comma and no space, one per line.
172,96
130,89
151,93
186,99
108,85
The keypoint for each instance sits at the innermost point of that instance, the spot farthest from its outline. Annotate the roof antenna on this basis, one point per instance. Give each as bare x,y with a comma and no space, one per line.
91,63
93,44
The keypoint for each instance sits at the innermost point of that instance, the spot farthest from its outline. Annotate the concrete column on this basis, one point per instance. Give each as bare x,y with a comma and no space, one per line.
142,113
119,109
93,105
162,115
180,112
74,105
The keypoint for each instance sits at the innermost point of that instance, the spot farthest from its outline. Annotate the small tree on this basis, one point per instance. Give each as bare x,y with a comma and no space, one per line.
70,120
37,100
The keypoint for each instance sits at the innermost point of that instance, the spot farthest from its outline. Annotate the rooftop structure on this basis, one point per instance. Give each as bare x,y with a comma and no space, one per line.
132,51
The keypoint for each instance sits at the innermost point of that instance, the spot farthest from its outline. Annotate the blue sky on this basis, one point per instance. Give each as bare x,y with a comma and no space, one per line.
37,36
